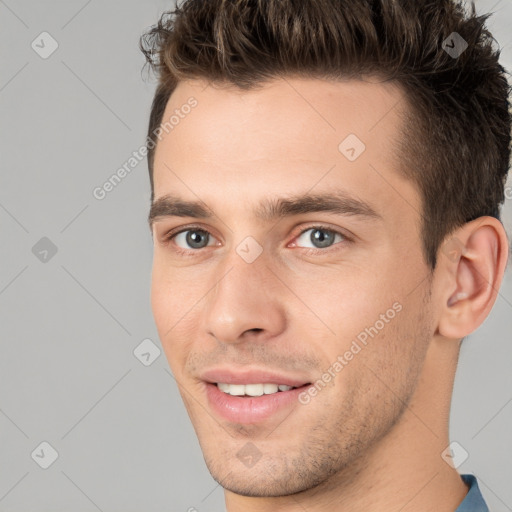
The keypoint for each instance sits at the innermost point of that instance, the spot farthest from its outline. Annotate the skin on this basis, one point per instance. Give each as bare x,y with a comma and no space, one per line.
372,438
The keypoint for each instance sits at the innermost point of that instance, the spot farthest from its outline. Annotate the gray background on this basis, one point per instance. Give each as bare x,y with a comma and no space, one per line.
69,324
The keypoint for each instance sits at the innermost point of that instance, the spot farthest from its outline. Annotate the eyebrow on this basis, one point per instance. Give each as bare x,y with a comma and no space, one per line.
270,209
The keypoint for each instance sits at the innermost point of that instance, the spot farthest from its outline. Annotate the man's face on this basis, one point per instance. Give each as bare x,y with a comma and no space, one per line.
266,299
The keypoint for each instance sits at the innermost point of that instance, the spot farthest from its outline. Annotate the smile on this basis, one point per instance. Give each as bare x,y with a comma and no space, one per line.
252,389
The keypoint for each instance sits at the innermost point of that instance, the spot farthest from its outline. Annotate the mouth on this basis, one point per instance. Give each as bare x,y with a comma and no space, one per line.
249,404
251,397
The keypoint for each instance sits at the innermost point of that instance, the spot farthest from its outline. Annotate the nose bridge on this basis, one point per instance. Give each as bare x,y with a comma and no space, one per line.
243,297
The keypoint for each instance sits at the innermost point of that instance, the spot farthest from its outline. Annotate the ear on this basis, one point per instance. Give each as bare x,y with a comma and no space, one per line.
472,262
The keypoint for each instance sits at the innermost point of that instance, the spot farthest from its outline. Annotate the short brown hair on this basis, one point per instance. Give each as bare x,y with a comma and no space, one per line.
458,124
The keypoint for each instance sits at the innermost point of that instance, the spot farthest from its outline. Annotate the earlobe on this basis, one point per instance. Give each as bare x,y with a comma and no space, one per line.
474,277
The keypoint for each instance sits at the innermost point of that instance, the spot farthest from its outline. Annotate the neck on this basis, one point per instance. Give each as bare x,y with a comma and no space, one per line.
404,470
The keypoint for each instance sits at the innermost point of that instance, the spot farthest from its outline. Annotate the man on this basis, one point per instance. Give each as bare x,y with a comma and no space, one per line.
326,180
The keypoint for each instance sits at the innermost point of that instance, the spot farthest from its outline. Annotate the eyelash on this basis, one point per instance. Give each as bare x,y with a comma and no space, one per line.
308,250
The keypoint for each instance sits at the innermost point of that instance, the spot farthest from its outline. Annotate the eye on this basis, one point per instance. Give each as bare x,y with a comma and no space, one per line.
192,239
320,237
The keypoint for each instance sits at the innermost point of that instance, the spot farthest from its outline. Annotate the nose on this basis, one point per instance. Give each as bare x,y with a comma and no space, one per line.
247,301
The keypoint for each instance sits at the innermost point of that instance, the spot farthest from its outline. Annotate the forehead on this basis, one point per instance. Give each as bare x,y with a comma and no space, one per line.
283,138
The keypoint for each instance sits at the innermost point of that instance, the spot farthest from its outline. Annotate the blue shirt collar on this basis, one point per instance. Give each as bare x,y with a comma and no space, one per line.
474,501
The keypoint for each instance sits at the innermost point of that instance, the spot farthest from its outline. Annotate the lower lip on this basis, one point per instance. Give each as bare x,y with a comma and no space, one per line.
247,410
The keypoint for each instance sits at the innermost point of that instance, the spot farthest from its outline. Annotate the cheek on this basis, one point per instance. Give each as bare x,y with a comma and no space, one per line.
161,300
171,293
348,298
172,307
369,315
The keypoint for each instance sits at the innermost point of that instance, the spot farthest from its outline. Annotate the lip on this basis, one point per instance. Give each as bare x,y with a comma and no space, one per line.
251,377
250,410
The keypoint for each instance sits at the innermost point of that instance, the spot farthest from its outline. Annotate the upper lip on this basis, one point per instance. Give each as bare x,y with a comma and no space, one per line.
251,376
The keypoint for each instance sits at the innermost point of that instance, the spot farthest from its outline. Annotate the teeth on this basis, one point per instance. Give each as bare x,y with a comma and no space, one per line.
268,389
236,389
223,387
252,389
